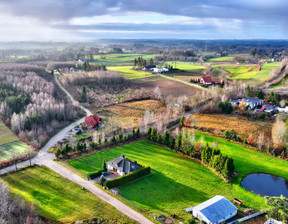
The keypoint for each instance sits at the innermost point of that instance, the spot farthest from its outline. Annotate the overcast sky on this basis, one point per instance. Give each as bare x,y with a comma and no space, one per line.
143,19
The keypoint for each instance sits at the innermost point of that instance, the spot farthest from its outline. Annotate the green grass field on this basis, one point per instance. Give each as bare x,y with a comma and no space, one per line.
59,199
6,135
119,59
178,182
185,65
252,76
221,59
10,144
129,73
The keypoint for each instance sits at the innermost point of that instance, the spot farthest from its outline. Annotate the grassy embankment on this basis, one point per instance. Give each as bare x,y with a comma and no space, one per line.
10,144
58,199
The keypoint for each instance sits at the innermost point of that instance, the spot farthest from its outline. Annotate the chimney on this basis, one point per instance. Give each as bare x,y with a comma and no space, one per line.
123,156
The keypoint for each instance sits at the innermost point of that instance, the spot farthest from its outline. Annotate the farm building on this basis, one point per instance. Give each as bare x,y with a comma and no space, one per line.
93,121
273,221
122,165
149,67
251,102
216,210
206,80
157,70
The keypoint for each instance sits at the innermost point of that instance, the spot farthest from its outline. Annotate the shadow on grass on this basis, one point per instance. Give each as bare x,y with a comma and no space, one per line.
160,193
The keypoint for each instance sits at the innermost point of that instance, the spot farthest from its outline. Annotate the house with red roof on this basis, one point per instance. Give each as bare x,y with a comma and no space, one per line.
92,121
206,80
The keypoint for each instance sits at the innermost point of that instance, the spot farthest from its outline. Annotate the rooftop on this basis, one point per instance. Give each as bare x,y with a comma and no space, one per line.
216,208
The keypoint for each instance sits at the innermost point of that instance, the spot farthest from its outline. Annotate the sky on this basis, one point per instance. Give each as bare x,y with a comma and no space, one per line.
60,20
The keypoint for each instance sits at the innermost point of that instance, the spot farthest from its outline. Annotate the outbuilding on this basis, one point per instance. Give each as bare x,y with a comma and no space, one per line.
216,210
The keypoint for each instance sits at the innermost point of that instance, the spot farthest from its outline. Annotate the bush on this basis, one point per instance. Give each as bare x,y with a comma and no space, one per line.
93,175
226,107
127,178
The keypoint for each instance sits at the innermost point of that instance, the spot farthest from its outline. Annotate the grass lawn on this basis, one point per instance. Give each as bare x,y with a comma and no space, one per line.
284,82
129,73
9,143
221,59
264,74
59,199
119,59
178,182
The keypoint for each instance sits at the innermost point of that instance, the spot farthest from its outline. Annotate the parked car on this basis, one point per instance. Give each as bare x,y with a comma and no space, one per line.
105,173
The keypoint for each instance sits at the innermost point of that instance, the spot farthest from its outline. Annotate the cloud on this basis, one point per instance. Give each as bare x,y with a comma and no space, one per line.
254,18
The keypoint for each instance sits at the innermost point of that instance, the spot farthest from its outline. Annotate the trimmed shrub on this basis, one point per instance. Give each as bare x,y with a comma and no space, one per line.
127,178
93,175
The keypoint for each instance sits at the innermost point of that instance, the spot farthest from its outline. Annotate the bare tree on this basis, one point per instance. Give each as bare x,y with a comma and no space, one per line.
261,141
279,132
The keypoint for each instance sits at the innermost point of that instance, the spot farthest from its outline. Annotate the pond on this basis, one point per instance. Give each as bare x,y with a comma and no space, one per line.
266,185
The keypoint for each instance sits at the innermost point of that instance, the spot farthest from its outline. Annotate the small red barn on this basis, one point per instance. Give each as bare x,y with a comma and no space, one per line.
91,122
206,80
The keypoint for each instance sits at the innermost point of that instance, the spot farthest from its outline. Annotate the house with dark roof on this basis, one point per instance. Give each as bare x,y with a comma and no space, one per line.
216,210
249,101
92,121
122,165
206,80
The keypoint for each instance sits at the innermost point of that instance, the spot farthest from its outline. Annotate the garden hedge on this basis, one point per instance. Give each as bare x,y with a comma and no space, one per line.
93,175
128,177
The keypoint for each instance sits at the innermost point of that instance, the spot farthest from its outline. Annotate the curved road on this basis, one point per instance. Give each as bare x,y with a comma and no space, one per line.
45,158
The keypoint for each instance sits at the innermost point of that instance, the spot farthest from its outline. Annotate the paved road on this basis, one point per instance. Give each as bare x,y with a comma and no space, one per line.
267,84
45,158
186,83
126,210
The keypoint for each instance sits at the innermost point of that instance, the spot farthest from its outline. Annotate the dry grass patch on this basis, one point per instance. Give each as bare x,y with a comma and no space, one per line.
128,113
241,125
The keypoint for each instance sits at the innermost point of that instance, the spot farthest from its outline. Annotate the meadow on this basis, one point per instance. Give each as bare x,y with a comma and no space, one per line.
129,73
221,59
10,144
249,73
242,125
178,182
58,199
185,65
120,59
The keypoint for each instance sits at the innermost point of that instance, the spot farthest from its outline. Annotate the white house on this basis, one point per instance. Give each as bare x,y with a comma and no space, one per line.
206,80
122,165
158,70
216,210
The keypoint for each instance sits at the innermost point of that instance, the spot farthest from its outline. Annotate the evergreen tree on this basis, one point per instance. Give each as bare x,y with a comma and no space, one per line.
166,138
182,121
228,168
138,135
83,95
154,135
133,134
249,91
99,141
120,137
105,140
171,142
102,180
113,140
259,93
159,139
104,165
148,135
93,145
178,141
58,151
